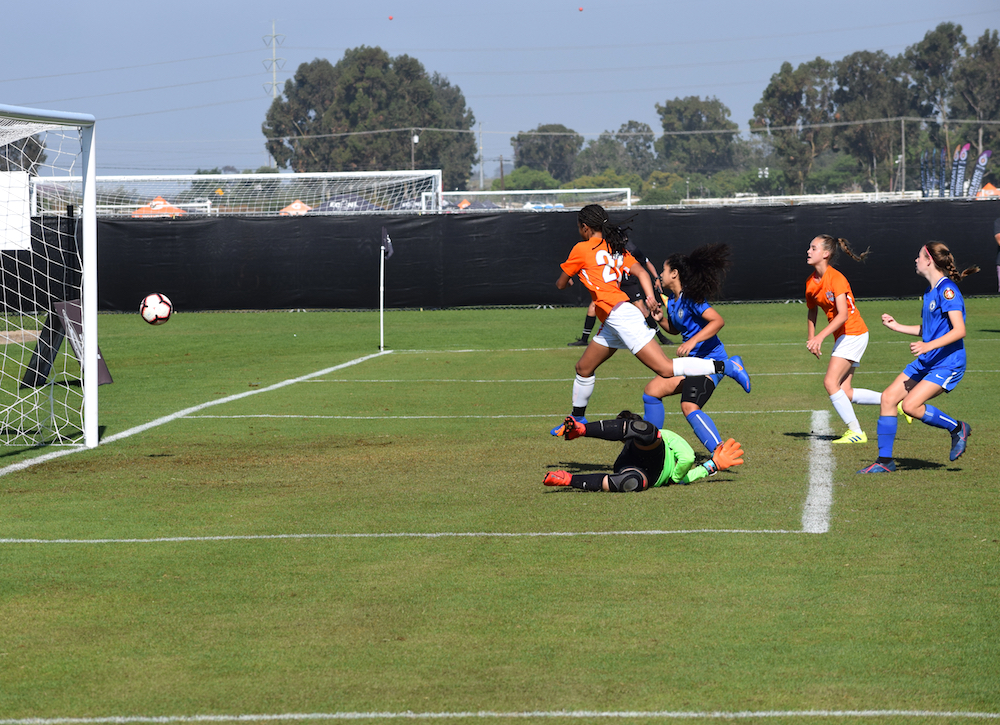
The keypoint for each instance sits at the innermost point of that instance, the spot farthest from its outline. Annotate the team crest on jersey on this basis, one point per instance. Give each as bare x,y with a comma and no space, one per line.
949,293
680,314
932,306
829,296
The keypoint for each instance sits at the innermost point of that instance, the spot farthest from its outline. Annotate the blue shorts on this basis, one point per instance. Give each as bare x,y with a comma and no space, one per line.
947,378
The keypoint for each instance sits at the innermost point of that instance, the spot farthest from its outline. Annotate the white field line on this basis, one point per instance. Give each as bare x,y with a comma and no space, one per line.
596,416
402,535
666,349
187,411
523,715
819,501
817,373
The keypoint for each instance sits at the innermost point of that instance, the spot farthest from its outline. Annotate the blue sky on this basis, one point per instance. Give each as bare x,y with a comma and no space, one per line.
184,85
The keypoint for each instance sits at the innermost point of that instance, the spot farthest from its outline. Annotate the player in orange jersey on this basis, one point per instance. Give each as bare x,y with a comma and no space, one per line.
599,261
829,290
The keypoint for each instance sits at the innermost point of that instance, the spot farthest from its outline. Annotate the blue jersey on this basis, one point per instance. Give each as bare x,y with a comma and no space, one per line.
939,300
685,316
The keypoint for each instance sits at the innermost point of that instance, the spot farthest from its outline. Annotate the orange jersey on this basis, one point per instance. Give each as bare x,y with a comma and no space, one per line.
823,293
600,271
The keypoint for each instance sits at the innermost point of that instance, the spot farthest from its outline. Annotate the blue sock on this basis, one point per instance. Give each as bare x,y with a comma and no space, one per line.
886,435
652,410
934,417
704,428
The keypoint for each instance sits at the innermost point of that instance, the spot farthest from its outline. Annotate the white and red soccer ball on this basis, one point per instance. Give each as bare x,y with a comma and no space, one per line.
155,308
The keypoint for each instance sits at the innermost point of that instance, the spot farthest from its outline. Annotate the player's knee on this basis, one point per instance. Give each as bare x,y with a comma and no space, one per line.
628,480
641,431
696,391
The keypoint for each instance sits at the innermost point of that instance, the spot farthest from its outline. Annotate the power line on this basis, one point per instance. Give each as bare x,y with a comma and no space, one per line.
126,67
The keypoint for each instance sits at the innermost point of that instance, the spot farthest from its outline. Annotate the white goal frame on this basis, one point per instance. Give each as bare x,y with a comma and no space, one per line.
38,121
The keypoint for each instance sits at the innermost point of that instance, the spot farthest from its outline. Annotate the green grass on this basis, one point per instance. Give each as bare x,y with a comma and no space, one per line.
897,607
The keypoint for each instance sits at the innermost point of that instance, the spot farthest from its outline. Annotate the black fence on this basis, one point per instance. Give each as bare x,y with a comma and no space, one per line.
513,258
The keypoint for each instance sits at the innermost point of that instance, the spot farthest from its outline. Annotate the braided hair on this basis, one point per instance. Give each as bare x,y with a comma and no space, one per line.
944,261
616,235
702,271
835,244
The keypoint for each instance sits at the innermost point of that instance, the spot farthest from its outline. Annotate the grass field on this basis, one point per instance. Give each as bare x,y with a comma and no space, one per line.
282,523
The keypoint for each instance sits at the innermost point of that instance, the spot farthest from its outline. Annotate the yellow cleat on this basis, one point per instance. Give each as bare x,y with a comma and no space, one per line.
899,407
852,437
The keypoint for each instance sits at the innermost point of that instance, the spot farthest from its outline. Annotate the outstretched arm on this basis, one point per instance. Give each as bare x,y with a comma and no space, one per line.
726,456
890,322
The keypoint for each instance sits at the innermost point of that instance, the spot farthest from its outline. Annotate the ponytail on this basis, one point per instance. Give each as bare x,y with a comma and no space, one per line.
835,244
616,235
944,261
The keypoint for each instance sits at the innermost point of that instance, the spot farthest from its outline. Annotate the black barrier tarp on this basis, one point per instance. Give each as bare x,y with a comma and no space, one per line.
513,258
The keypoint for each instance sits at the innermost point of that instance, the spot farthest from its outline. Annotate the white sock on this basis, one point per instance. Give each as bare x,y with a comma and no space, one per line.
863,396
842,404
582,389
693,366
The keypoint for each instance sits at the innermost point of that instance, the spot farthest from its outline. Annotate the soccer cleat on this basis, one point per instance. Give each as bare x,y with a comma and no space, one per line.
877,467
572,428
557,478
577,343
736,371
561,428
852,437
899,408
959,439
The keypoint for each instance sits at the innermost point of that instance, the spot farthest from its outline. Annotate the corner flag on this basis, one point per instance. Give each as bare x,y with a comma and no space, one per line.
386,243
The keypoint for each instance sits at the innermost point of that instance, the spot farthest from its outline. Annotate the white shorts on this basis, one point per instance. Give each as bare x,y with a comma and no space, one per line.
850,347
625,329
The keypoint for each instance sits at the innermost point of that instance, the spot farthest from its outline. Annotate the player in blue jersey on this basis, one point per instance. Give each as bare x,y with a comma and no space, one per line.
940,358
688,282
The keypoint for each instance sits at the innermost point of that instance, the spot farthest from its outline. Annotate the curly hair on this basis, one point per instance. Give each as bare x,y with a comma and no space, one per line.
701,272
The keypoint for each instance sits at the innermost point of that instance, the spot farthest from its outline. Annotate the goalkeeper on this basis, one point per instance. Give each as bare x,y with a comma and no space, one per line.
651,456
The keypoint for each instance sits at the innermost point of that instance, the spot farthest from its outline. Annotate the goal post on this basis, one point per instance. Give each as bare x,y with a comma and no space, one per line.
48,278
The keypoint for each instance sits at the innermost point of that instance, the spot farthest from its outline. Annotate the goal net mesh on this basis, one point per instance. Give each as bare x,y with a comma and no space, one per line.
182,196
537,200
41,391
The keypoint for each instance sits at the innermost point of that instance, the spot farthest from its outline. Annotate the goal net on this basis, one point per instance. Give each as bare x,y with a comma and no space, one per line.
48,288
188,195
537,200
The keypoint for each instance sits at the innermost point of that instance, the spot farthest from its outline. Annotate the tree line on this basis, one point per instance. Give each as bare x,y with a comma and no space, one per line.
824,126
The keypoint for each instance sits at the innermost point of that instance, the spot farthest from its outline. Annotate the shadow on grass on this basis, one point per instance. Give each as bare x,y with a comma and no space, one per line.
26,449
801,434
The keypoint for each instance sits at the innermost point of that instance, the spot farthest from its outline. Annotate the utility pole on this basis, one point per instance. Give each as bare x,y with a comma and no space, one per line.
482,161
273,64
902,156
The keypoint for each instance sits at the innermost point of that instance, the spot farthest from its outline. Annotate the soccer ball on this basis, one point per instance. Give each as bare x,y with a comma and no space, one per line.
155,308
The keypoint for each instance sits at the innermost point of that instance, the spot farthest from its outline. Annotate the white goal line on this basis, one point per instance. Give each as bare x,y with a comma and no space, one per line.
516,715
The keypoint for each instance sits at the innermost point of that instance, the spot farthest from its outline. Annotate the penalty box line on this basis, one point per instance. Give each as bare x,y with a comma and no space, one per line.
807,715
20,466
